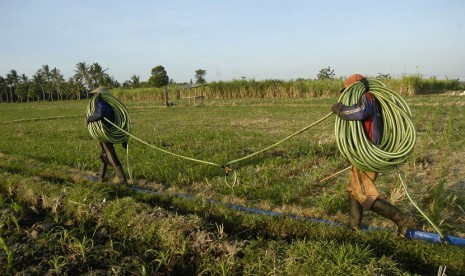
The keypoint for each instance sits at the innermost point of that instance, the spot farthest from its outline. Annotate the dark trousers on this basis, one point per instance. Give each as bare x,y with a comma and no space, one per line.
108,154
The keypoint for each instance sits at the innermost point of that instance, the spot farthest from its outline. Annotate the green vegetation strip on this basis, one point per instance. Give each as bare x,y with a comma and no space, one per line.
39,119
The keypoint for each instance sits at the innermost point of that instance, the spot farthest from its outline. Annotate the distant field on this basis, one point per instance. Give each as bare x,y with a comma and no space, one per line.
49,202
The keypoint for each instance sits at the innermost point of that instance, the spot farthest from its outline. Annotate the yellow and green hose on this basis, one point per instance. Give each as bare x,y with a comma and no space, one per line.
399,134
99,131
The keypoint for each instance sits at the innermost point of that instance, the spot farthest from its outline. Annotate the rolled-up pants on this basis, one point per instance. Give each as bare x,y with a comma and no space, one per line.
362,187
108,154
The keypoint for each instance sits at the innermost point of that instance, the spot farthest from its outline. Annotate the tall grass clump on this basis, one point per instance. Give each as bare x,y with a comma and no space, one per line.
146,94
432,85
411,85
273,88
406,86
319,88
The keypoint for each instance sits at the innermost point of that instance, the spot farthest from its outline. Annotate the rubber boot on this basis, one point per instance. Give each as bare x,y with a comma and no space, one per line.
103,171
120,176
389,211
355,213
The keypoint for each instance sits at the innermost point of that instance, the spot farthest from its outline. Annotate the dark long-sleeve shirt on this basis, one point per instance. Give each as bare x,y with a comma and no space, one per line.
367,110
103,110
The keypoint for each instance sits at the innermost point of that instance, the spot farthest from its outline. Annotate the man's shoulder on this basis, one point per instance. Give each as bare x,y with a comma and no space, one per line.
103,103
369,95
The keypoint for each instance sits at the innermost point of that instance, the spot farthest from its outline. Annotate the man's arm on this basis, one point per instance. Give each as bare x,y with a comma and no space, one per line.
98,114
357,112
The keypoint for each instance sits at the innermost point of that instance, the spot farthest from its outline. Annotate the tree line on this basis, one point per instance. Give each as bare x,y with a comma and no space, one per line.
50,85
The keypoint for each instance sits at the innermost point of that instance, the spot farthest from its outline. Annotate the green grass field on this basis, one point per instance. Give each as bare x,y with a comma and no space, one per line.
56,221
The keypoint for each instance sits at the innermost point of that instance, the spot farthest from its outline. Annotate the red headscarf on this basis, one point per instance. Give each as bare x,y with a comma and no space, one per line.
352,79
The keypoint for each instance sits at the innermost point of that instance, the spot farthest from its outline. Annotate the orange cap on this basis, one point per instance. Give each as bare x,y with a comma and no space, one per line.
352,79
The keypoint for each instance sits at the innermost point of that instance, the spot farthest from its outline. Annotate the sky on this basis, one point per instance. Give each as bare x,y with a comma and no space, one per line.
234,39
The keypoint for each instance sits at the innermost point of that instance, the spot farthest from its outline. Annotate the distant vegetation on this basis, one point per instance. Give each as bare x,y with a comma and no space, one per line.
49,85
301,88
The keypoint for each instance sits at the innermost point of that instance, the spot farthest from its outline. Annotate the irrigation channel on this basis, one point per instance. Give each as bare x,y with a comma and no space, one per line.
394,150
413,234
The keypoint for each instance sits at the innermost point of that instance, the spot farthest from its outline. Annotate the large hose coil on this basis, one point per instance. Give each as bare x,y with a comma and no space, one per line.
399,134
99,131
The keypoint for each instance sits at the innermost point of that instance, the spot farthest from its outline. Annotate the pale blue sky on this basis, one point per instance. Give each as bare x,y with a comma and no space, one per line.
261,39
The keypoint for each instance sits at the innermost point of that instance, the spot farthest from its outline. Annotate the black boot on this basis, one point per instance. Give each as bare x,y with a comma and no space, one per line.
355,213
103,171
121,177
389,211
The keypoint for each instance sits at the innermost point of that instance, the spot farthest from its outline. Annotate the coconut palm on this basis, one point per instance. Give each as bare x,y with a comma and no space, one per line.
98,75
73,88
46,76
135,81
82,77
12,80
3,90
33,90
38,80
57,81
22,88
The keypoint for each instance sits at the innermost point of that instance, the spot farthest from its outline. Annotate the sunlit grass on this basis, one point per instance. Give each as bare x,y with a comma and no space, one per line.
42,163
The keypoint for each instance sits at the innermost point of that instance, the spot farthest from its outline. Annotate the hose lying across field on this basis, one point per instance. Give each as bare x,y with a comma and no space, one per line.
119,132
395,148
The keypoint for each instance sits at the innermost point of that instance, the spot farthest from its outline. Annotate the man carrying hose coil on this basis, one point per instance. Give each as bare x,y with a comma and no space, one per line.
108,154
362,190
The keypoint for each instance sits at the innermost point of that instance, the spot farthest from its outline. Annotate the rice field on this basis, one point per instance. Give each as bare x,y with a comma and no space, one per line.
57,220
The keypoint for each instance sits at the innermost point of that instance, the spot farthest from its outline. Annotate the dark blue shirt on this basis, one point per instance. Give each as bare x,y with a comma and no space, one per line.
367,110
103,110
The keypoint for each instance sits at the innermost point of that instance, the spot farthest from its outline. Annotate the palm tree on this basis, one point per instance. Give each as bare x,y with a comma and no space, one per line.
76,86
82,76
33,90
12,80
22,88
73,88
98,75
46,76
38,80
3,86
135,81
57,81
111,81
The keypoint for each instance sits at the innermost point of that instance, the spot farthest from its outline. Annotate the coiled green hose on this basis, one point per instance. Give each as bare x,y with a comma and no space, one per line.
399,134
99,131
